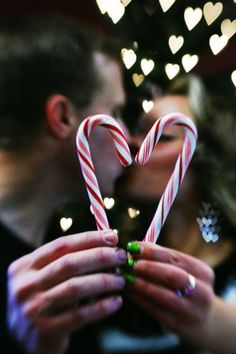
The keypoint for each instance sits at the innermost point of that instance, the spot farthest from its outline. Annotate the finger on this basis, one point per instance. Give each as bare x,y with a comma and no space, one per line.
71,292
82,316
190,307
80,263
190,264
64,245
164,274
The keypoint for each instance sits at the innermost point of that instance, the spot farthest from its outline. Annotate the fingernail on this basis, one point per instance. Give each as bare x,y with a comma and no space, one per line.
129,278
116,302
121,255
130,263
133,247
109,236
120,281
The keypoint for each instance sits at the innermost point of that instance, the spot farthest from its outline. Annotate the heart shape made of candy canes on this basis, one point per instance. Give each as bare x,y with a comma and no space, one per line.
142,157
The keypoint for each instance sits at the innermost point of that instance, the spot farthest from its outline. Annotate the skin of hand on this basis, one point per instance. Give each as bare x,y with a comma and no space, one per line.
52,291
157,273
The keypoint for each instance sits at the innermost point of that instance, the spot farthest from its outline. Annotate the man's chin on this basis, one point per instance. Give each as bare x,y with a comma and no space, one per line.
121,187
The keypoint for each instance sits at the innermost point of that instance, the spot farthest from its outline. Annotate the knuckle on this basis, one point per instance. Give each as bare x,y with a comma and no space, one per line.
173,277
88,236
103,254
21,290
31,308
28,310
72,288
174,258
15,292
61,245
105,281
91,238
103,307
68,265
16,266
12,269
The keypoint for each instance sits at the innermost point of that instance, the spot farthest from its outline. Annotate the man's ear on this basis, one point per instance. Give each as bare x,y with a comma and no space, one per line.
60,119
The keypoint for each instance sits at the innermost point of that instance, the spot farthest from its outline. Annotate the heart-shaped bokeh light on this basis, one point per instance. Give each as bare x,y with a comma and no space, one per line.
65,224
129,57
217,43
192,17
171,70
147,105
166,4
189,61
175,43
233,77
137,79
109,202
147,65
228,28
212,11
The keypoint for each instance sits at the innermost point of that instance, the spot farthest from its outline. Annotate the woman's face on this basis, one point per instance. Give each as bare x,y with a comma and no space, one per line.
147,183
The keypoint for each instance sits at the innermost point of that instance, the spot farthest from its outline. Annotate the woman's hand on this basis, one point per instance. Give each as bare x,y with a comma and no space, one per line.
51,290
176,289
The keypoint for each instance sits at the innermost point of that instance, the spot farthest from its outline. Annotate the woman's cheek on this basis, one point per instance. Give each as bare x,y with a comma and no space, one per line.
165,154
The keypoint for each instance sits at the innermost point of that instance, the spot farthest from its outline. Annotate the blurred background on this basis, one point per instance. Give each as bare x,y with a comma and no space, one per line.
162,39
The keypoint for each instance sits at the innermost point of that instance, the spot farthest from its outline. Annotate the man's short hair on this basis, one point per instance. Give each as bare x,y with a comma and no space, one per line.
41,56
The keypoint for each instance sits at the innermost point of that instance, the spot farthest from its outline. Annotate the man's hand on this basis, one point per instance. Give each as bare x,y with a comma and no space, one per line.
52,291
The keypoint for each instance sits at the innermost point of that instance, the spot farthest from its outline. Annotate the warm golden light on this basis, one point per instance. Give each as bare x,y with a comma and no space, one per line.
171,70
212,11
217,43
133,213
228,28
147,105
192,17
109,202
166,4
147,65
233,77
65,223
175,43
129,57
137,79
189,61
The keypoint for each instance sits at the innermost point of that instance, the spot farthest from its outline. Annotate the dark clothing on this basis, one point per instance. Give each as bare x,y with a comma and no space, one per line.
128,331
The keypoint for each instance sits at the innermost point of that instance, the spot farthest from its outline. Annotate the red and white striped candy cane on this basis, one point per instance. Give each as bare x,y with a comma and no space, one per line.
180,169
86,162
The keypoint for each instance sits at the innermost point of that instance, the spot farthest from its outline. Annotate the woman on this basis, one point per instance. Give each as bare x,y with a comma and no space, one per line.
175,288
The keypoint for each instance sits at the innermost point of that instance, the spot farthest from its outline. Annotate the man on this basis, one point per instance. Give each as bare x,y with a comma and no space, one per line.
51,77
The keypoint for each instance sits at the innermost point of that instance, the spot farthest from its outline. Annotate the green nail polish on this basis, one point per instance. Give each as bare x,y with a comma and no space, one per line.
130,263
133,247
129,278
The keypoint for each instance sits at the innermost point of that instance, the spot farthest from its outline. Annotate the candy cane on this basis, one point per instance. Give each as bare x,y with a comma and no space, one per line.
86,162
180,169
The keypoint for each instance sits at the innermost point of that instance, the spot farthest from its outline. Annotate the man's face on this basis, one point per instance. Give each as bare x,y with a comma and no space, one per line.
109,99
